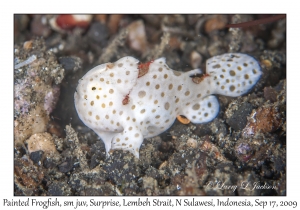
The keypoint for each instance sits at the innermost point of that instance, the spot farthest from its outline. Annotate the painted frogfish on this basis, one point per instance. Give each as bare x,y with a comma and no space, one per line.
126,101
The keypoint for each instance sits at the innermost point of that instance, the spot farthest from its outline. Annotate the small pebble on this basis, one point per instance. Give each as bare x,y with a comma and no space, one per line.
41,141
267,63
27,45
192,143
137,36
218,22
195,59
239,119
36,156
66,166
98,33
70,64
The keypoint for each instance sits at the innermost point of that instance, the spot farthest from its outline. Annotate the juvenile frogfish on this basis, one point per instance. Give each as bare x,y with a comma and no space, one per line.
125,102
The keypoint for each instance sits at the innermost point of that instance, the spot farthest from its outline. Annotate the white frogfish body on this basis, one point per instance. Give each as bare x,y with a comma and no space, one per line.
125,102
